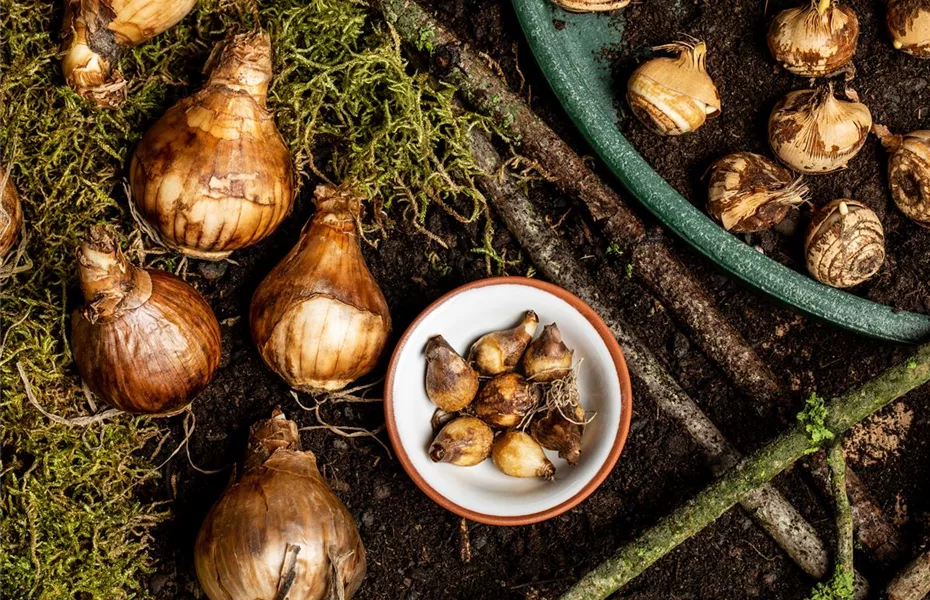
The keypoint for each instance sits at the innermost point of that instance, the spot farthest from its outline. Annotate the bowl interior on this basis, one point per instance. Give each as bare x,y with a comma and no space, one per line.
463,318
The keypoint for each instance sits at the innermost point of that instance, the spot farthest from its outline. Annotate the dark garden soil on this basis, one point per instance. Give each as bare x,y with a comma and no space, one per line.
414,546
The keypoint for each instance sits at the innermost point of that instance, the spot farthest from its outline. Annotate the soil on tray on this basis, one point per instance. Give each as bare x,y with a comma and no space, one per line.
414,546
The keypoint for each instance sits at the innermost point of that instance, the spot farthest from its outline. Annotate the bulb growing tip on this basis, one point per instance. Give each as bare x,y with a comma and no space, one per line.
243,63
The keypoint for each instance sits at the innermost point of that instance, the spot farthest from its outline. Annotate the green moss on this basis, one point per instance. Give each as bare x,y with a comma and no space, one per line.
814,418
839,587
425,41
73,523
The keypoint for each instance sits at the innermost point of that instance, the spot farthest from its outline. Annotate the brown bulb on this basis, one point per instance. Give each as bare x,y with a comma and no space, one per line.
845,244
451,384
319,318
145,341
517,454
505,400
11,215
816,39
464,441
561,432
500,351
278,531
213,175
96,34
547,357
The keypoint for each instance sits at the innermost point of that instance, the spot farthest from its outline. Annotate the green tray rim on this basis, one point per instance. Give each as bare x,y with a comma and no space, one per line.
580,101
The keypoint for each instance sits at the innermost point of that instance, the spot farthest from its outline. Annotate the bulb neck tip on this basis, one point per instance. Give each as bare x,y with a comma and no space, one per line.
243,63
267,436
102,268
341,203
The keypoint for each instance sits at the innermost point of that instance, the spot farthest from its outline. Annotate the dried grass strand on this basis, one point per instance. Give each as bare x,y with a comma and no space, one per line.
70,422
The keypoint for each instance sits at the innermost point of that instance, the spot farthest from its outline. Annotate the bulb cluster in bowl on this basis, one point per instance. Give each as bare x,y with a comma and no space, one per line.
811,132
524,389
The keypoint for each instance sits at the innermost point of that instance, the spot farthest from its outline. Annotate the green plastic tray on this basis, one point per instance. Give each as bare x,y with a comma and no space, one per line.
570,59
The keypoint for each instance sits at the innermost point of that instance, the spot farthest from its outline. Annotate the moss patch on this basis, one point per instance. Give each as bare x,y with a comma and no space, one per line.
73,521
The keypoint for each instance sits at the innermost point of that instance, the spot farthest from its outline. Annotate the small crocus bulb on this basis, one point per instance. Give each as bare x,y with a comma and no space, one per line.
547,357
500,351
451,383
845,244
749,192
464,441
909,24
813,131
909,172
505,400
561,431
674,96
517,454
816,39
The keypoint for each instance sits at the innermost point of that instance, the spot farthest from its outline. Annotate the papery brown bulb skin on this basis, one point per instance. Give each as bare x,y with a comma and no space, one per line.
11,214
547,358
909,24
279,522
505,400
464,441
816,39
319,318
674,96
451,383
97,32
584,6
500,351
749,193
814,132
214,175
556,432
145,342
909,172
845,244
517,454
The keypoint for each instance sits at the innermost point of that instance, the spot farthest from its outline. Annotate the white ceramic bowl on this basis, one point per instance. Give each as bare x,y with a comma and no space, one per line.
482,493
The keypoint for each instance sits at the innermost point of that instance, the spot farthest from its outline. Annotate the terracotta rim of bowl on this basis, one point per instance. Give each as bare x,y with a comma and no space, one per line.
623,427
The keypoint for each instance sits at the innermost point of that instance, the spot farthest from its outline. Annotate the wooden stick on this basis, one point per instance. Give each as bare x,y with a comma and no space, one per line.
913,583
874,531
844,520
556,262
843,412
652,261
